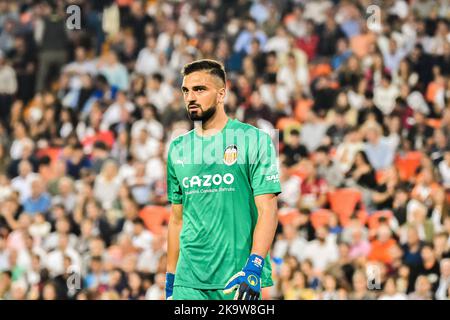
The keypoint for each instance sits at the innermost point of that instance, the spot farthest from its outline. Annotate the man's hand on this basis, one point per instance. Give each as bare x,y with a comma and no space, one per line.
248,281
170,278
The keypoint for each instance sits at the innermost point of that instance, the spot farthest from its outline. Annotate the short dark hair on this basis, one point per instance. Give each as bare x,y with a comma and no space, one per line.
211,66
96,259
158,77
77,146
429,245
139,220
100,145
323,149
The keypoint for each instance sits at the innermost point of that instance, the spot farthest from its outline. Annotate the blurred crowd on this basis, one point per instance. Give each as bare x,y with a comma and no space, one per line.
360,99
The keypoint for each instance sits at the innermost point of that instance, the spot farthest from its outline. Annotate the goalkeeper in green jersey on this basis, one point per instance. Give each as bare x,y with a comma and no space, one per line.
222,181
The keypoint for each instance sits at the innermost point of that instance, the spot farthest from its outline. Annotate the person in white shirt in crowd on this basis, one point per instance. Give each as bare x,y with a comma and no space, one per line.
317,10
149,258
149,122
273,94
385,95
390,291
313,131
147,62
24,256
155,167
290,242
346,151
290,184
322,251
142,238
114,71
379,152
329,288
62,227
422,289
296,24
39,229
442,292
144,146
279,42
394,132
55,258
293,75
33,274
393,54
156,291
82,65
66,194
120,150
20,139
113,113
440,39
245,37
139,184
22,183
159,92
107,184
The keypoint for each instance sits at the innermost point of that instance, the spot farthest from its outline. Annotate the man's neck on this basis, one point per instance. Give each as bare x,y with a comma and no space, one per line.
213,125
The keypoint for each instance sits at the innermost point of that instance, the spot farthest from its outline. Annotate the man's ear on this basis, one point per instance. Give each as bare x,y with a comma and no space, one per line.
221,95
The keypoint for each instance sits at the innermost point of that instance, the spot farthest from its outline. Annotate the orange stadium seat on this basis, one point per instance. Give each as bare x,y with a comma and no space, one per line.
155,217
344,201
320,218
105,136
287,215
408,164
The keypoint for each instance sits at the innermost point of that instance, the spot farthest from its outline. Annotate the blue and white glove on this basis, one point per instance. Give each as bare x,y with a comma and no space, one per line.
248,281
170,279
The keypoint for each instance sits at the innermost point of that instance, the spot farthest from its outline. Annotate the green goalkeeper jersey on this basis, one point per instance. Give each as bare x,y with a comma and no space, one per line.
216,178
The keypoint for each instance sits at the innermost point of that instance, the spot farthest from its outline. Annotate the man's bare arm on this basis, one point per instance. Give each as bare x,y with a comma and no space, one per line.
173,241
266,225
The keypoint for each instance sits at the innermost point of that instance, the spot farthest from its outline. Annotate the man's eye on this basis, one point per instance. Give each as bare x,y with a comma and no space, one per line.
199,89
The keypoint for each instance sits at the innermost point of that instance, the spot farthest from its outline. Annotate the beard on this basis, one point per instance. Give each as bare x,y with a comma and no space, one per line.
200,115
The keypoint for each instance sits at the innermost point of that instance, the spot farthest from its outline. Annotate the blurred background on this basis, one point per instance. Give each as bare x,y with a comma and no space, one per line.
361,101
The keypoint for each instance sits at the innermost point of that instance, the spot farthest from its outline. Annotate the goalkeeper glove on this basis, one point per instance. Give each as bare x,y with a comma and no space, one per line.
248,281
170,278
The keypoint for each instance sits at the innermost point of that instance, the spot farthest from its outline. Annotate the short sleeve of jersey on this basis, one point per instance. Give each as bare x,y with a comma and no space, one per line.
264,177
174,192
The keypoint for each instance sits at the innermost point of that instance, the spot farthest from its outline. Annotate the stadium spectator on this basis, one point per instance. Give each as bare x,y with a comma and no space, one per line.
422,289
444,280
